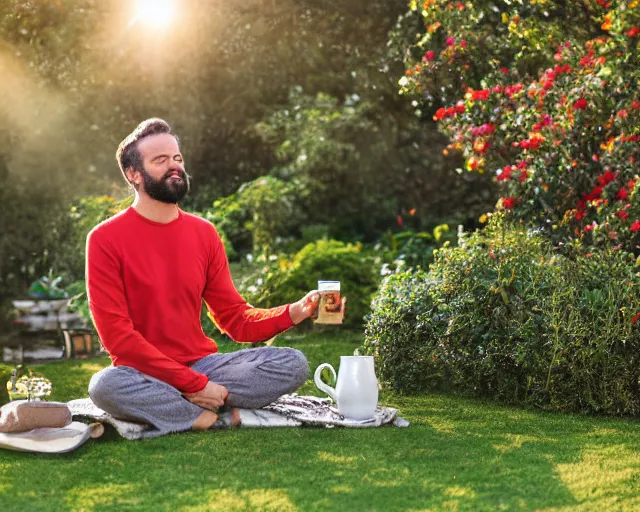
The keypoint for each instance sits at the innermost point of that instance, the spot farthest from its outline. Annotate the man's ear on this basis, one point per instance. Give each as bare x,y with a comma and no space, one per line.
133,176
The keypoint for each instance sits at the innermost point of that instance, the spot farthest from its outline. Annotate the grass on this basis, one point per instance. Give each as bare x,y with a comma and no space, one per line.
458,454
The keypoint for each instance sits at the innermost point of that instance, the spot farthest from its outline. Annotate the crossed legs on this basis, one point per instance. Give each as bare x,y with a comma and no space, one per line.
253,377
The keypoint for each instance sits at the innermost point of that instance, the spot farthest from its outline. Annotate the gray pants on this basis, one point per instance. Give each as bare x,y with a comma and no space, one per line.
254,378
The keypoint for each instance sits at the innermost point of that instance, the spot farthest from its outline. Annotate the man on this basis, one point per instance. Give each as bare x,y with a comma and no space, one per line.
148,270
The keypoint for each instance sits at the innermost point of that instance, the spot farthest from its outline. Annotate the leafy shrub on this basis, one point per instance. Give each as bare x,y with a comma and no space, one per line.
506,315
258,215
409,249
284,280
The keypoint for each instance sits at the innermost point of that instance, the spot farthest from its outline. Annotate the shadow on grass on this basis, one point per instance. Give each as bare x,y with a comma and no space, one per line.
457,455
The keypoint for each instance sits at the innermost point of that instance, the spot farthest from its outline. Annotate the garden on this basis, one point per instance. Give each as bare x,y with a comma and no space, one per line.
466,169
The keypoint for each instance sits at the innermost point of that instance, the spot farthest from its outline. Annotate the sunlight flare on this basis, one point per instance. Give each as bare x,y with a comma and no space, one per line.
155,13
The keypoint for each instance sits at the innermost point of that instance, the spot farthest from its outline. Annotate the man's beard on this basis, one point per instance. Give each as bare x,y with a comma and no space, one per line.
166,189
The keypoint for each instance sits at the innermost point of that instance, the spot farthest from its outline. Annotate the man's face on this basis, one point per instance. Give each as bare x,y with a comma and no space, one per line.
163,176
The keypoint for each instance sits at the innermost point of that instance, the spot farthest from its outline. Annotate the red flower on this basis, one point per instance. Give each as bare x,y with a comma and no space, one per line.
429,56
497,89
440,113
505,174
450,41
595,194
623,215
480,95
622,194
635,318
635,226
635,105
633,32
509,202
510,90
623,114
504,71
480,146
463,43
580,214
581,104
399,220
607,177
460,108
585,61
485,129
589,227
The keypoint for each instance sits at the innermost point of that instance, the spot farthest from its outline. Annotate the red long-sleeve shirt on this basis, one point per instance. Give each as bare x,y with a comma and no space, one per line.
146,282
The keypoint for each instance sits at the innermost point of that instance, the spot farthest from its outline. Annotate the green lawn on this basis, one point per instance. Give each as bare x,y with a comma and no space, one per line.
458,454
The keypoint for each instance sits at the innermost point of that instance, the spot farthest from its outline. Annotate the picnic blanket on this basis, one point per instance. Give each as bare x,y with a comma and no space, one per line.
288,411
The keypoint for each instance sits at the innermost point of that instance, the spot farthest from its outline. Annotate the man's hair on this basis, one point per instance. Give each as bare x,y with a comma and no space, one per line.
128,155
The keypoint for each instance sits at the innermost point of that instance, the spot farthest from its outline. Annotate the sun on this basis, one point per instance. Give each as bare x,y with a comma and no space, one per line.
157,13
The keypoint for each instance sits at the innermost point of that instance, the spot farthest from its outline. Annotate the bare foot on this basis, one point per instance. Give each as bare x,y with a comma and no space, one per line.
205,421
234,412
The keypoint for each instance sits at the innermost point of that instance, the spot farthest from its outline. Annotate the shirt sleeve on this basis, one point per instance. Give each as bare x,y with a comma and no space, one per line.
231,313
126,346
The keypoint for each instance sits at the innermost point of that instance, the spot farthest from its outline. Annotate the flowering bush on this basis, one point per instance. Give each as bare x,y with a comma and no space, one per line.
553,109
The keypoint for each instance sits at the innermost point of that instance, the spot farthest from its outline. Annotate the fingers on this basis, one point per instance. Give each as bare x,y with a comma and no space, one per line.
312,297
206,403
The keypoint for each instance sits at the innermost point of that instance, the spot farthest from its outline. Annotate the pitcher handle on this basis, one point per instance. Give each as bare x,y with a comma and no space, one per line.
321,385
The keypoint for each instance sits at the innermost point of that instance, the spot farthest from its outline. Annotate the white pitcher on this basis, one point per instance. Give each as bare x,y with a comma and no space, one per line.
356,391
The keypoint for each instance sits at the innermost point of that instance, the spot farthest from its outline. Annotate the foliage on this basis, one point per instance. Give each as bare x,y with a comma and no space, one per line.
505,315
355,168
285,279
30,230
408,249
263,208
554,111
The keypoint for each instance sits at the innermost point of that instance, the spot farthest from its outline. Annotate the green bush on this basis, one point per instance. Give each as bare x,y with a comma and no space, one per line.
284,280
508,316
258,216
409,249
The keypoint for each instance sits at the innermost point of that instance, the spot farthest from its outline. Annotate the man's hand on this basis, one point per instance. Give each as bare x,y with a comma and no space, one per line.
210,397
305,307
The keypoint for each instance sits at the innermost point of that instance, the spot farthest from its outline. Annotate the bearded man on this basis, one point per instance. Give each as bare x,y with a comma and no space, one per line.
148,271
